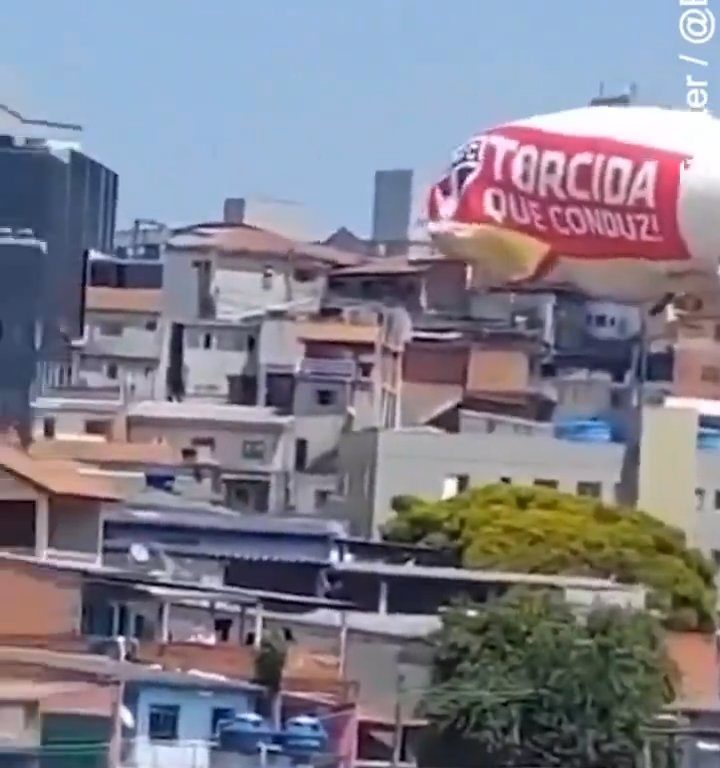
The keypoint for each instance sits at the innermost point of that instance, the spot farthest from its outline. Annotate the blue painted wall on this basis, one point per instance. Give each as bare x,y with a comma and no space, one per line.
194,723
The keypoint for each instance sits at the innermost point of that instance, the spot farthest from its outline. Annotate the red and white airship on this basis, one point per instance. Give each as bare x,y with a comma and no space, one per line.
618,203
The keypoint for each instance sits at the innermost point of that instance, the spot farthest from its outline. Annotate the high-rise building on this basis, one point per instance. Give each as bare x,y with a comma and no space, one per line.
391,209
67,199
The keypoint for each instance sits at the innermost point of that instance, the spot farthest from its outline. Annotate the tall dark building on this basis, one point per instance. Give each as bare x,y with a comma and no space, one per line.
68,200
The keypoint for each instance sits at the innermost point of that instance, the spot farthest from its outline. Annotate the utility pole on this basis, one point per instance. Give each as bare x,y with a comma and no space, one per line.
398,720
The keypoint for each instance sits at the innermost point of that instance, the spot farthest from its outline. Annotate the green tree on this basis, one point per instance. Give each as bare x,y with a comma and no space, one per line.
269,667
538,530
521,681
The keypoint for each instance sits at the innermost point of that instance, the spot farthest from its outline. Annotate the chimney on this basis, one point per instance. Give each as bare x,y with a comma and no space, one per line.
234,210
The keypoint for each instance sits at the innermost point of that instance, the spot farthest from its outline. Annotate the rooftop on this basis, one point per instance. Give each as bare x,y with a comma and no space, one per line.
245,240
61,478
194,411
410,570
106,452
133,300
392,265
338,332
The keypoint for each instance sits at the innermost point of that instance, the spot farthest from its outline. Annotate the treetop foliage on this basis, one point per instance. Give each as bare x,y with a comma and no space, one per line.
521,681
539,530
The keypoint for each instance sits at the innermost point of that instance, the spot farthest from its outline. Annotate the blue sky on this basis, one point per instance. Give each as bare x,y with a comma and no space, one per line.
195,100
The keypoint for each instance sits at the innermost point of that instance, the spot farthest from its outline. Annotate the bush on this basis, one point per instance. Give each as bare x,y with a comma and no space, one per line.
538,530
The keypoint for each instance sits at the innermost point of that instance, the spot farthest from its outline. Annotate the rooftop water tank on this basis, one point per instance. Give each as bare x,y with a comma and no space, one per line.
584,431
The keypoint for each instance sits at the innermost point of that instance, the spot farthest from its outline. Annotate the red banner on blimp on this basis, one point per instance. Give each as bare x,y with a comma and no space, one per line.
591,197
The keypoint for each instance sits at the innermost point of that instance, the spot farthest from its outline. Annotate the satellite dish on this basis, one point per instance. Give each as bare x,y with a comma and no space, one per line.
139,553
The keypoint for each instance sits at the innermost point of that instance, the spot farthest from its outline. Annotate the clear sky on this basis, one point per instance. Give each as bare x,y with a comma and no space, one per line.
195,100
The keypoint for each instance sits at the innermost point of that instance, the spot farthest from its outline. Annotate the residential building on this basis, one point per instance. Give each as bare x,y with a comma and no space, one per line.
223,275
122,340
220,358
420,284
68,412
254,446
50,720
378,465
176,722
51,510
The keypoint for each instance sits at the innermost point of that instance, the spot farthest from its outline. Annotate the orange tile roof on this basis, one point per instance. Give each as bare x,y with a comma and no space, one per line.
101,452
61,478
247,240
338,332
696,658
135,300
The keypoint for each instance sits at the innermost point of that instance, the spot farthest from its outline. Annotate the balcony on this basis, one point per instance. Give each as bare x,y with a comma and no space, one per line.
306,672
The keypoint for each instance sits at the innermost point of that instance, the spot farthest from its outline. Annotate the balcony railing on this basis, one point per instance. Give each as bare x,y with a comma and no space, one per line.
328,368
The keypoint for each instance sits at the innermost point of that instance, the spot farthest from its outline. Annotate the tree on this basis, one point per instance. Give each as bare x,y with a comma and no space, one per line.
522,681
269,667
538,530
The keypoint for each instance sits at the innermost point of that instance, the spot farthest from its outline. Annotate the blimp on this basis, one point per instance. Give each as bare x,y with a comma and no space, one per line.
617,203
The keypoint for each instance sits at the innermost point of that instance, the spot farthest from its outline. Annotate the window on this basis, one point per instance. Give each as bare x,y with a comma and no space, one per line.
325,396
301,451
110,329
541,483
49,428
151,325
97,427
589,489
111,371
717,501
699,499
463,483
600,321
163,725
220,716
251,343
321,498
207,341
203,442
710,374
366,370
253,450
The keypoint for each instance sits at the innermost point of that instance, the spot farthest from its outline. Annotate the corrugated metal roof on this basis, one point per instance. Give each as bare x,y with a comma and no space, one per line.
410,570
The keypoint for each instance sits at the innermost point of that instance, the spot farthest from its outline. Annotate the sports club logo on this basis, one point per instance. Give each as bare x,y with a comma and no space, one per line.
467,163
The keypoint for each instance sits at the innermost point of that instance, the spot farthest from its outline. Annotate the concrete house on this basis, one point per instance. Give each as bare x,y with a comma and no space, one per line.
254,447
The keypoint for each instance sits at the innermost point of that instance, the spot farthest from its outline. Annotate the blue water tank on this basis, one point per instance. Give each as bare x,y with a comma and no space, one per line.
584,431
247,732
304,735
708,439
